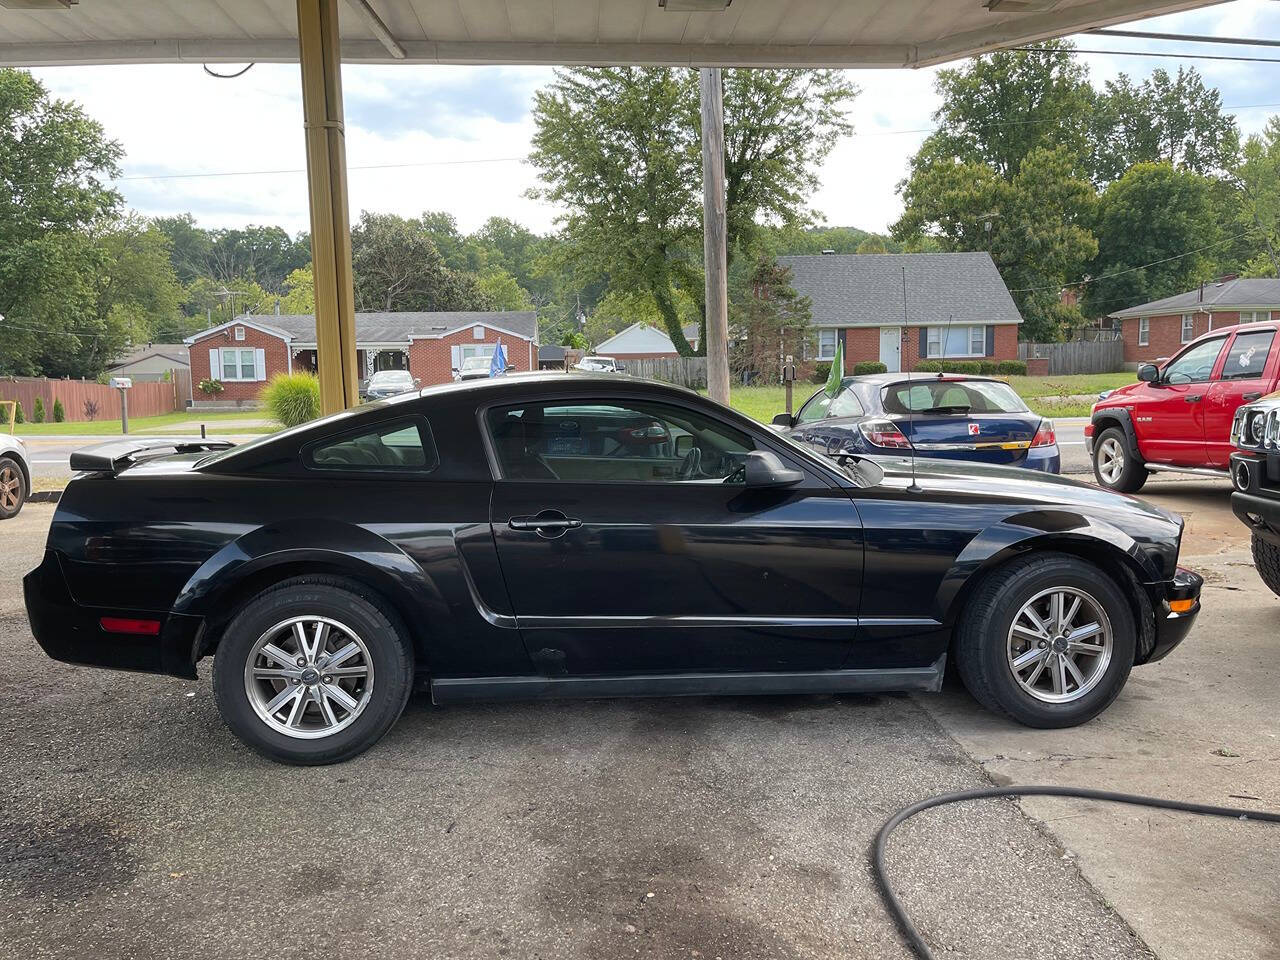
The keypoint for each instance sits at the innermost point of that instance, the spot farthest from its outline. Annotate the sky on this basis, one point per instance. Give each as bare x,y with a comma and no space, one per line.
454,138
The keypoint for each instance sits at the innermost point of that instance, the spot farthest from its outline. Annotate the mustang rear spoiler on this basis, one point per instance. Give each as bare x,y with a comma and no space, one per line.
118,454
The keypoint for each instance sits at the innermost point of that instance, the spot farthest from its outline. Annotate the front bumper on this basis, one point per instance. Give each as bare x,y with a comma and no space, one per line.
1172,628
71,632
1256,499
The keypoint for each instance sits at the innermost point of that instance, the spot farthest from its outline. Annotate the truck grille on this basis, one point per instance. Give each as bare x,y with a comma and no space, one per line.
1256,428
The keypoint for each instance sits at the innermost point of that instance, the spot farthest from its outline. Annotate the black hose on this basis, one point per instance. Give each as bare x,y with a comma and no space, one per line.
912,933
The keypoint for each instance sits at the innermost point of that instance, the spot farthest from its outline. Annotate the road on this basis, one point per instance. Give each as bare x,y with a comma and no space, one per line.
50,455
133,824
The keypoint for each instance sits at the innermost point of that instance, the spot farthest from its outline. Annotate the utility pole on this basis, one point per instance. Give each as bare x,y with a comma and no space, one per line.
713,234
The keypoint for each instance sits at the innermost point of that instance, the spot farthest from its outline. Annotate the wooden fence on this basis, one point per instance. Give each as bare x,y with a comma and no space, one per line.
145,399
682,371
1078,356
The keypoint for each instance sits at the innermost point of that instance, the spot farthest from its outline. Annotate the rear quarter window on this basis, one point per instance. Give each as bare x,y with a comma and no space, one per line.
400,446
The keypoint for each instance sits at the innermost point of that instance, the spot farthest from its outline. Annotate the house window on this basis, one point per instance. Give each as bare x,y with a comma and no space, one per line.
956,341
238,364
1144,331
827,344
1188,327
1254,316
469,350
477,333
239,333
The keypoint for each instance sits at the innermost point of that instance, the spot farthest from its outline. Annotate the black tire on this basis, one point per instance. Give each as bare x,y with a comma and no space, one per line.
10,472
1266,557
984,625
1132,474
338,599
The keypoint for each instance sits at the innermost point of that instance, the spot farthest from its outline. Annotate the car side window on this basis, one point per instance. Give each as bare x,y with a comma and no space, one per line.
400,446
845,404
1248,355
815,409
1194,365
626,441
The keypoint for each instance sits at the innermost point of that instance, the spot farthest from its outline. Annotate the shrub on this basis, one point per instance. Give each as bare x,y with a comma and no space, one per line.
37,411
292,398
988,367
950,366
211,388
821,370
869,366
59,414
17,415
1012,368
90,410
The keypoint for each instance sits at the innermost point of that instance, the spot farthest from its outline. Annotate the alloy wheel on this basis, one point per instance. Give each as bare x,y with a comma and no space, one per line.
309,677
1110,460
1059,645
10,488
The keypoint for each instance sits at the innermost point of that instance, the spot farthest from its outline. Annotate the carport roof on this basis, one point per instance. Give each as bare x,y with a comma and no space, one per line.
836,33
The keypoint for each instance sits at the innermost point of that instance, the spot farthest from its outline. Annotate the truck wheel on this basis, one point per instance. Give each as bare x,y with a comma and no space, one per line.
1266,557
1113,467
1048,640
313,670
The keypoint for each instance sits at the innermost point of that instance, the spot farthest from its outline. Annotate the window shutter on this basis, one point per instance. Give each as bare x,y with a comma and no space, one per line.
215,364
260,364
924,341
991,340
455,357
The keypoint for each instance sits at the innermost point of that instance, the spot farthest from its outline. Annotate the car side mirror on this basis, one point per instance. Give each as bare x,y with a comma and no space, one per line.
783,420
1148,373
684,444
766,469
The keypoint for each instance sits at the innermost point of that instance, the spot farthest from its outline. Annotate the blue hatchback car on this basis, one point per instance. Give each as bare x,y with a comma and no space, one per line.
948,416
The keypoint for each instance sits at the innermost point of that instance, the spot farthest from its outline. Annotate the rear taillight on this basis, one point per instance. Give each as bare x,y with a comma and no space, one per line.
884,433
145,628
1045,436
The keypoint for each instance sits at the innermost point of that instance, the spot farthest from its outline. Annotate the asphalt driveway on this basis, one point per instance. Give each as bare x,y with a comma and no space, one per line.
133,824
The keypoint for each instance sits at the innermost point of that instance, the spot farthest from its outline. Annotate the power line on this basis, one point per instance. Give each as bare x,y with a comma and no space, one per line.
1146,53
1184,37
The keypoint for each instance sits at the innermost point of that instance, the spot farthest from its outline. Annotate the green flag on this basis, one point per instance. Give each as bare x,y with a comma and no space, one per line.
837,371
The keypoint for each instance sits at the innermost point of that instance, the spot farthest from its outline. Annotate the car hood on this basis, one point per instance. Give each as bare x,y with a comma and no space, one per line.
1046,502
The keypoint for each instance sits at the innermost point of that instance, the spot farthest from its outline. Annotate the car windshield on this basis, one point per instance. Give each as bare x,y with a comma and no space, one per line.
391,378
952,396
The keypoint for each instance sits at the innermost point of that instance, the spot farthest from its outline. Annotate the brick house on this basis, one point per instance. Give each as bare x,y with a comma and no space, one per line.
957,307
246,352
1159,329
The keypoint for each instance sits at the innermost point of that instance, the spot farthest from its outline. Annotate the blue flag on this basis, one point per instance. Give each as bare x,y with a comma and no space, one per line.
498,365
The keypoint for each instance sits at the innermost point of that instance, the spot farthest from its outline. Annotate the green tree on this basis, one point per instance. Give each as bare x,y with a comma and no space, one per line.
1252,207
502,290
768,318
299,291
397,267
998,108
190,247
54,166
620,149
1035,226
872,244
1174,119
1147,223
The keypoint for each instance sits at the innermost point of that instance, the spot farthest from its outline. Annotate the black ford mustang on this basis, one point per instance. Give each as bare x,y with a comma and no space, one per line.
583,535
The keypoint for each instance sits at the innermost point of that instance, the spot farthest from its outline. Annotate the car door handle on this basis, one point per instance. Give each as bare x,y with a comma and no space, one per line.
550,521
1192,398
1250,397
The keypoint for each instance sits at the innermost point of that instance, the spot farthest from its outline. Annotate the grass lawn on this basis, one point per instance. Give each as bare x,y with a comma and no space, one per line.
219,422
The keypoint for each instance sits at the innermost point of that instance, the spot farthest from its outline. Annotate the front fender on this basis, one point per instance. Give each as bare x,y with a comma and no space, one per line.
296,545
1120,417
1052,529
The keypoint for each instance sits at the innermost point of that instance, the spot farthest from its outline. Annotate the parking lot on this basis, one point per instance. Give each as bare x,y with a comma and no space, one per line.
133,824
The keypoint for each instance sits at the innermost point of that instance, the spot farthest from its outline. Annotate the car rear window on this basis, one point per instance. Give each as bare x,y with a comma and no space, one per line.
952,396
399,446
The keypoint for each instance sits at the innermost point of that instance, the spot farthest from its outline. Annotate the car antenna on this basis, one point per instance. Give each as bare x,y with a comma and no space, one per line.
911,412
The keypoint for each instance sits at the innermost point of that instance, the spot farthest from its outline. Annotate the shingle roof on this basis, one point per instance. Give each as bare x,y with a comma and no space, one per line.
170,351
1258,292
398,327
865,289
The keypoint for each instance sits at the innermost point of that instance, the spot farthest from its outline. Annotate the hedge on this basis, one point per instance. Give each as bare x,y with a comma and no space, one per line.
1008,368
869,366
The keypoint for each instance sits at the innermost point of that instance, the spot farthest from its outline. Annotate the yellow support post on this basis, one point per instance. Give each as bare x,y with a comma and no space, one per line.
320,56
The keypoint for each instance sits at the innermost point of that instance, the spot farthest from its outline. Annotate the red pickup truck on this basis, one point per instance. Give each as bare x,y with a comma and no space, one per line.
1178,415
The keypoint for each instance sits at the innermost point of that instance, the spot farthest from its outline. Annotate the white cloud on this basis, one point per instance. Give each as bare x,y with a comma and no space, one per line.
177,120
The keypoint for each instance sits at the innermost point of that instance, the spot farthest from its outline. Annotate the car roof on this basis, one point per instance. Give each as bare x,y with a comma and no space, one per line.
891,379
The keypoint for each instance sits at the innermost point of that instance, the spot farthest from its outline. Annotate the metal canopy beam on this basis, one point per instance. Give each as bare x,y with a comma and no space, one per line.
330,219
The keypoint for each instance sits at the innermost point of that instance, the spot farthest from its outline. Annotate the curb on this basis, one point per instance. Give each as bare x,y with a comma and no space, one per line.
45,496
